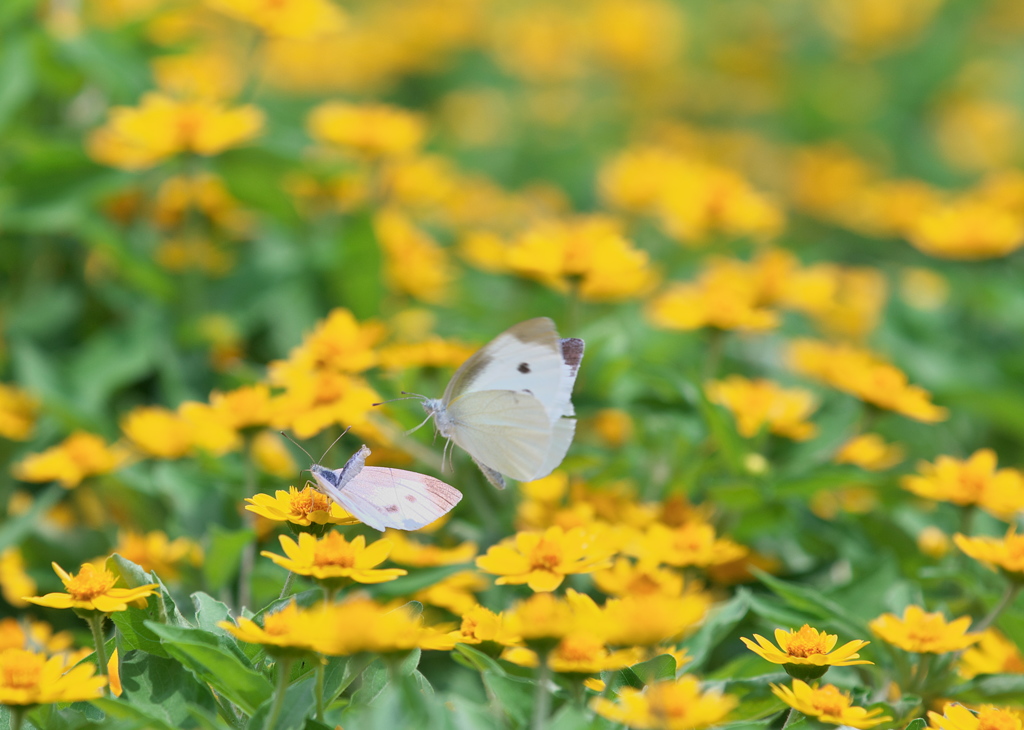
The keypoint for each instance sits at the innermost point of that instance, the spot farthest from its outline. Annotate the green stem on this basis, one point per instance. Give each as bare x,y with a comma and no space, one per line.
287,585
790,717
248,561
921,673
284,667
1012,589
17,716
541,697
320,672
96,624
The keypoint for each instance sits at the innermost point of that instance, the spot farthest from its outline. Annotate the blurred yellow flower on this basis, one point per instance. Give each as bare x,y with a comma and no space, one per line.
414,263
578,653
626,578
333,557
14,581
972,481
295,19
201,73
136,138
828,704
80,455
958,717
1005,554
155,552
933,542
407,551
17,413
614,426
272,456
727,296
807,653
434,352
646,620
967,230
924,633
286,631
360,624
480,624
92,589
158,432
36,636
370,130
209,429
543,559
993,654
181,196
761,403
249,406
864,375
31,678
693,543
338,342
870,451
305,507
678,704
456,593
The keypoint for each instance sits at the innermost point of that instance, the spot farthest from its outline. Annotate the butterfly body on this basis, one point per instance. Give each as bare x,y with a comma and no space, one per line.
382,497
509,405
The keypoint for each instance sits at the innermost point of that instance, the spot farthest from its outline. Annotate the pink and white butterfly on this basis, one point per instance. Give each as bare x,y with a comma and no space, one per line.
382,497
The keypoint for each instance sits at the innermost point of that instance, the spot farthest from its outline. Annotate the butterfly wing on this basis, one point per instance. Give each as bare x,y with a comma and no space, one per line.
382,497
506,430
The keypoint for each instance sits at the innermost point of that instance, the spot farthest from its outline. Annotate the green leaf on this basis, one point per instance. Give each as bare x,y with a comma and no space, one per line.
224,555
375,679
657,669
14,530
476,659
159,690
719,623
132,623
991,688
418,580
210,611
813,602
17,71
217,660
299,703
918,723
513,695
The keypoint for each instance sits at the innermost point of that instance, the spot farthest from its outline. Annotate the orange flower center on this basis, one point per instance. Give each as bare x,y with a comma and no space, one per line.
993,719
579,648
90,582
643,585
334,550
307,501
20,669
805,642
830,700
546,556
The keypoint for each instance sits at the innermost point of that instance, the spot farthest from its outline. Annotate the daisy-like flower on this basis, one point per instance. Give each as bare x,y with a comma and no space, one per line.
406,551
369,130
336,560
828,704
455,593
693,543
92,589
626,578
1005,554
480,624
678,704
155,552
302,508
541,560
580,652
972,481
761,403
80,455
957,717
289,631
360,624
542,620
869,451
31,678
807,653
924,633
17,413
993,654
14,581
652,619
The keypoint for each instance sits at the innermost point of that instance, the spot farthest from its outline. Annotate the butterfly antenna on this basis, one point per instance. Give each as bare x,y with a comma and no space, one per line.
406,396
333,443
299,445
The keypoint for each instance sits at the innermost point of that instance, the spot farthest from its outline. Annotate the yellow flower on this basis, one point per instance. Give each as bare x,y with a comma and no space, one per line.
360,624
92,589
454,593
693,543
580,652
34,635
652,619
158,432
543,559
993,654
31,678
967,230
294,19
542,616
807,653
203,73
933,542
272,456
626,578
481,624
924,633
828,704
869,451
154,552
288,630
114,674
369,130
247,407
957,717
430,353
14,581
334,557
762,403
866,376
17,413
671,705
136,138
307,507
209,429
406,551
414,263
339,342
613,426
80,455
1006,553
974,481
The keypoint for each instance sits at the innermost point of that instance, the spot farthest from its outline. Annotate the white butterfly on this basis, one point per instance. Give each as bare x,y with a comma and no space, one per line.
382,497
509,404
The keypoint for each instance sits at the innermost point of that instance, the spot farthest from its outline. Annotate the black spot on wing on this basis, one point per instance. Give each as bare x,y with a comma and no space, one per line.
524,367
391,508
572,352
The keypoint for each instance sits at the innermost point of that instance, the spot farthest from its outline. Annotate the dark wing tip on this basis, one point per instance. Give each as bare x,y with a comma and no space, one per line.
572,352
